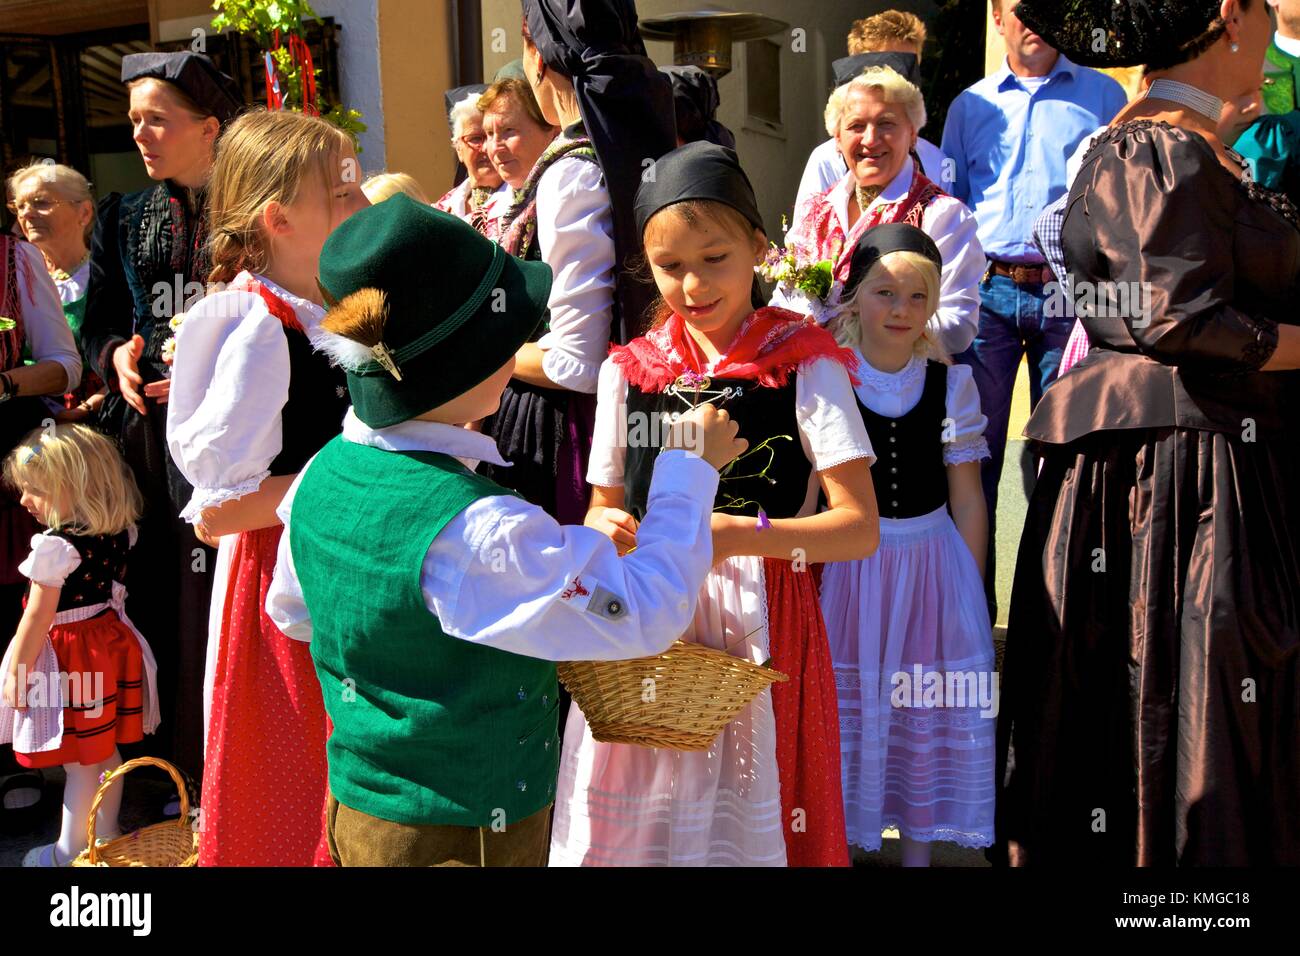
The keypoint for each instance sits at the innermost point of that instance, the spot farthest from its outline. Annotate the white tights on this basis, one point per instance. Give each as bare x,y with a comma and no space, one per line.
78,794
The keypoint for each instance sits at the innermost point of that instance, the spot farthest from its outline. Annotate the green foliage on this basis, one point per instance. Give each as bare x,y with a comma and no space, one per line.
260,20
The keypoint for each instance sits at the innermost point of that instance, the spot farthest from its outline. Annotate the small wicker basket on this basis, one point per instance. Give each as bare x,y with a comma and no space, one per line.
680,699
170,843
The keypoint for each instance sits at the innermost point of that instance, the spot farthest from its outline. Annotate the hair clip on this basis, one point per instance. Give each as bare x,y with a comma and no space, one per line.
32,451
385,358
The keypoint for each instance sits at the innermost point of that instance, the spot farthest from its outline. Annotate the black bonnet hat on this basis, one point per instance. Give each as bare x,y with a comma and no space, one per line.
695,103
905,65
453,96
194,74
1134,32
699,170
879,241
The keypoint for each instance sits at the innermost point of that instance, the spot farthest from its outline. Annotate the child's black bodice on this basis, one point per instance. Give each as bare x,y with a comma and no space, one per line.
909,474
771,476
103,561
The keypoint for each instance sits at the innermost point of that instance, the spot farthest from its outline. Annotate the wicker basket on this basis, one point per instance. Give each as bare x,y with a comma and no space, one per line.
170,843
697,691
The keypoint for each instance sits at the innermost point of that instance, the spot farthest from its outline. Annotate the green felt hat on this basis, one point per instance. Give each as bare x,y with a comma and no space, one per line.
430,307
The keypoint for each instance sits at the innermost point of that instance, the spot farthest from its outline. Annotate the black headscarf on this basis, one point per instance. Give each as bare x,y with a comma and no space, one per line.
695,101
697,170
905,65
1134,32
453,96
879,241
705,171
627,110
195,74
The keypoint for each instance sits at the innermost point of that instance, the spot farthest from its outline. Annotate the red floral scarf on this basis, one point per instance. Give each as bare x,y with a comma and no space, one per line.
770,344
818,233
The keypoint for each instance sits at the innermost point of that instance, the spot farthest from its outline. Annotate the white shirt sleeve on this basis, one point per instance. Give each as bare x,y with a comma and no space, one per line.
575,233
830,425
935,166
505,574
952,227
964,432
51,560
825,168
608,444
44,323
230,382
284,601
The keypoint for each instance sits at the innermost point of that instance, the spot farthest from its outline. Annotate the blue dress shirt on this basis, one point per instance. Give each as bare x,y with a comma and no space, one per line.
1009,143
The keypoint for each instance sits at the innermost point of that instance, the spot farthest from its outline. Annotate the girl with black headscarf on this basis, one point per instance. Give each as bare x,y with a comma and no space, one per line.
587,66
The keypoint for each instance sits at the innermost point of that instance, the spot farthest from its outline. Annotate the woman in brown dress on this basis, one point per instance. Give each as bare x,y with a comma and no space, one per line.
1151,693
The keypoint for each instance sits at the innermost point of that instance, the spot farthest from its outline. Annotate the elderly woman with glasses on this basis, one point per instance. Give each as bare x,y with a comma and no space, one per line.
56,213
482,186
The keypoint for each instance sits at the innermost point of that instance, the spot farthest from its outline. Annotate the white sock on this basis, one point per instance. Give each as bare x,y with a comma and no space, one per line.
78,794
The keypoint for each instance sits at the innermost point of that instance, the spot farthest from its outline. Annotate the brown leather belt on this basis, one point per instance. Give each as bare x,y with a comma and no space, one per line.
1020,273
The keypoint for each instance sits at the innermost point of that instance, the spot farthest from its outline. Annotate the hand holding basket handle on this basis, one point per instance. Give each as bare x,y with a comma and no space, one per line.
709,432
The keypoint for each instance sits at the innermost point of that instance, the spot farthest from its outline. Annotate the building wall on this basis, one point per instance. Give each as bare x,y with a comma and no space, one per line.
774,160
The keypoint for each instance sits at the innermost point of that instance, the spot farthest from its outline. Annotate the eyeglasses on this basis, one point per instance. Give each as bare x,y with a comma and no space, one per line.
474,141
40,205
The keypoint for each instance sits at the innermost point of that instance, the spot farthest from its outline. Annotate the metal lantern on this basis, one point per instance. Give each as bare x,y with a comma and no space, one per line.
703,38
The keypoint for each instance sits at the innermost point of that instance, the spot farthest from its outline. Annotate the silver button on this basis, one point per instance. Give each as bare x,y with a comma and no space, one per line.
894,504
892,438
893,424
893,487
893,471
521,784
614,608
893,454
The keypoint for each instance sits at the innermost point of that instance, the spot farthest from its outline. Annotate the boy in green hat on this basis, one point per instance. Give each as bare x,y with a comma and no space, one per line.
435,601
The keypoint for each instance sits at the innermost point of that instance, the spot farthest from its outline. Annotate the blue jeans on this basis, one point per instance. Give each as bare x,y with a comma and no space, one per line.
1012,325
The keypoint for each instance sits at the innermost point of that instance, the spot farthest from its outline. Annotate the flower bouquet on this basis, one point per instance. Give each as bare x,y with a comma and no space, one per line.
808,284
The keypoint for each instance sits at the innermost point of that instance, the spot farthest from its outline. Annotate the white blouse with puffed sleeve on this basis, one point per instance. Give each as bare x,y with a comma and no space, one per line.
575,233
230,382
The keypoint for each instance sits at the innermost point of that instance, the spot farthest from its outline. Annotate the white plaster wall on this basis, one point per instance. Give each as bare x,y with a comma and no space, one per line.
358,47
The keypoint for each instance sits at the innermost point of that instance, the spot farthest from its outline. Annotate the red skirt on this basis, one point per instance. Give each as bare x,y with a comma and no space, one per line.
807,719
105,691
264,779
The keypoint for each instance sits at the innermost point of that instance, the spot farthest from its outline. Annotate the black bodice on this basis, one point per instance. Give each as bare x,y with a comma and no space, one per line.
103,561
313,414
909,474
771,475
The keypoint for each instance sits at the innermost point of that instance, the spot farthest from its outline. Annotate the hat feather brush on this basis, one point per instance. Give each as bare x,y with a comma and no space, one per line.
354,332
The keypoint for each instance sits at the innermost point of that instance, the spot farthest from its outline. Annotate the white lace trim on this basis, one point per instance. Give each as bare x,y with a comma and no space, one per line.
211,497
966,449
905,378
971,839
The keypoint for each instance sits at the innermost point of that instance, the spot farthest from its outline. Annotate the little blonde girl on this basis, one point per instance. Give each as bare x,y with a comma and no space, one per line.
766,793
251,402
78,678
909,627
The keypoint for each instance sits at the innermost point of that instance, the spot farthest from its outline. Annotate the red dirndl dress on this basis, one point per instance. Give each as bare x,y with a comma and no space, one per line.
101,672
264,777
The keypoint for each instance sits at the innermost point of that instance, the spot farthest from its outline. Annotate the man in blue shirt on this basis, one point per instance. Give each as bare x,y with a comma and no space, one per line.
1009,136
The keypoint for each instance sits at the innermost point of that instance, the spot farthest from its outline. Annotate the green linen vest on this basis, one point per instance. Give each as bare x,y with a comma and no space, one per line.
428,729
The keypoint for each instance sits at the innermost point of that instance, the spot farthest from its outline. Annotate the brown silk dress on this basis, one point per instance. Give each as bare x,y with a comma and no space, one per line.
1150,708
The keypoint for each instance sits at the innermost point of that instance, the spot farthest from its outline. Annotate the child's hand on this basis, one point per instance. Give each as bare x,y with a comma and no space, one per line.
709,433
10,691
617,524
